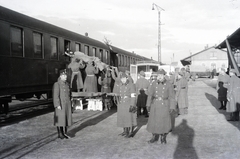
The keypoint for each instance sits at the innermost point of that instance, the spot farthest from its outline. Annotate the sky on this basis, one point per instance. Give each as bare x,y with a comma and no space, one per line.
187,26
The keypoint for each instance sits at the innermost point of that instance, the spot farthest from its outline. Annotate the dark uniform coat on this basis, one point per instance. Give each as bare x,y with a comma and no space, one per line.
142,85
161,98
90,83
127,97
61,97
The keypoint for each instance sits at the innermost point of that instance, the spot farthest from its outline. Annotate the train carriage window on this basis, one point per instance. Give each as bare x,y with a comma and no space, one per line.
128,61
94,51
86,50
125,61
16,42
122,60
119,59
54,48
101,54
78,47
107,57
66,46
37,45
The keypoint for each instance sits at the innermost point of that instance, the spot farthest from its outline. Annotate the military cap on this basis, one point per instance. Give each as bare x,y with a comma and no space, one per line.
161,71
63,72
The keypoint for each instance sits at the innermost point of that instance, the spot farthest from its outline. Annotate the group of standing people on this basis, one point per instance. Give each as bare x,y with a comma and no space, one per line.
228,89
157,97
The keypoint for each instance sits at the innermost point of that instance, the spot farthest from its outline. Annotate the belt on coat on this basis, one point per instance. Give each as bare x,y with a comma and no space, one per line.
90,75
159,98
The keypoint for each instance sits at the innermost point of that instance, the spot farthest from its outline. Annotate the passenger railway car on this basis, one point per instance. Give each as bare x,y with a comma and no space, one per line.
32,53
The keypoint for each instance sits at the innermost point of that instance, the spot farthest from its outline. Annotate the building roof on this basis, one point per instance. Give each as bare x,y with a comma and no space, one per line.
233,39
188,60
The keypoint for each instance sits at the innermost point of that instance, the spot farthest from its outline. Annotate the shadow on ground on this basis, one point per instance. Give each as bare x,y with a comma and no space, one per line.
185,148
92,121
214,101
141,121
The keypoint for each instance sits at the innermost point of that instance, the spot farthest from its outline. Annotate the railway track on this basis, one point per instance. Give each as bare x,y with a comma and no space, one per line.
26,110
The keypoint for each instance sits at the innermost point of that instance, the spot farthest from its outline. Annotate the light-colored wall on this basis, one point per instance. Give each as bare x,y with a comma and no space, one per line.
209,58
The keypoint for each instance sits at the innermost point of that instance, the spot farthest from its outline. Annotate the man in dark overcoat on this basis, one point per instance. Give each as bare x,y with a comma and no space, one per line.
161,102
62,105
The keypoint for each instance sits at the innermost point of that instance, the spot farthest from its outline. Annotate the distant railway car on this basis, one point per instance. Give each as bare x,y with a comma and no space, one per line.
32,53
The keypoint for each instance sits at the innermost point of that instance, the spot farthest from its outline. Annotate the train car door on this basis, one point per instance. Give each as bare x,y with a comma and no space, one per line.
134,72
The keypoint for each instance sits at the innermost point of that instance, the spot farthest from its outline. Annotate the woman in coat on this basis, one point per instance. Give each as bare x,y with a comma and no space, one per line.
75,66
161,102
126,119
62,105
182,93
233,96
90,83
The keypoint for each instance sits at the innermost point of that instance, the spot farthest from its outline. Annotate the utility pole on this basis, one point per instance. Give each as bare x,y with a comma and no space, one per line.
159,9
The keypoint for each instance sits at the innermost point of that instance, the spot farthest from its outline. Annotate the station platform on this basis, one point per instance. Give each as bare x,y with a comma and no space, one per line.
204,133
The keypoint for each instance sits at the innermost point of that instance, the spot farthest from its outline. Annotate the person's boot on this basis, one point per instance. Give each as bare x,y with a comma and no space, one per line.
60,134
65,134
164,138
153,139
131,134
124,132
127,132
221,106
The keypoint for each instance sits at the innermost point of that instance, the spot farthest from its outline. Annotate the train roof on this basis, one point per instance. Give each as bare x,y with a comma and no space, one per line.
233,39
26,21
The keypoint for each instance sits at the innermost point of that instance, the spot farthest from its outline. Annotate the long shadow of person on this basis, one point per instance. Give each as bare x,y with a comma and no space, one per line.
140,122
185,148
92,121
214,101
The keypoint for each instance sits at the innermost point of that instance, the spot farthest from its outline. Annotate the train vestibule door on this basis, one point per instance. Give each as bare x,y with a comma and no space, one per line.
134,72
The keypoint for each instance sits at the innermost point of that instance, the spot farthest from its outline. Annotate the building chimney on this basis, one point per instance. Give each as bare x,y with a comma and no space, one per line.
86,34
206,46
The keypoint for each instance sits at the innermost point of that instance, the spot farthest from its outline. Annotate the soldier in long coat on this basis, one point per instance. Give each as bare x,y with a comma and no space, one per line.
182,93
90,83
161,101
62,105
142,85
233,96
126,119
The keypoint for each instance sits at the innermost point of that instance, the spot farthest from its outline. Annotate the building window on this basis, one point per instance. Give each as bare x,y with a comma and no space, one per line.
94,52
54,48
37,45
78,47
16,42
